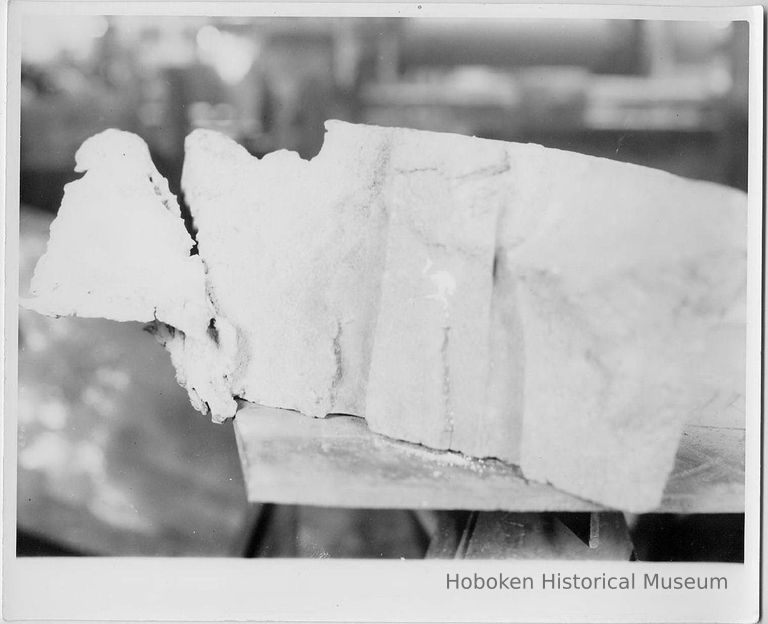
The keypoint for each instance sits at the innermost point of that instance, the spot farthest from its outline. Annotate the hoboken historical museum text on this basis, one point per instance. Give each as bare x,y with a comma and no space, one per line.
559,581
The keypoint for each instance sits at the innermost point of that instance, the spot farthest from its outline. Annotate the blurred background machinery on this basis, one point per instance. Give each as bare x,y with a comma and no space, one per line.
112,460
672,95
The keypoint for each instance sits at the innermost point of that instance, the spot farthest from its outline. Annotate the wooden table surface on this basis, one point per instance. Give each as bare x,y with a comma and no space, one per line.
337,462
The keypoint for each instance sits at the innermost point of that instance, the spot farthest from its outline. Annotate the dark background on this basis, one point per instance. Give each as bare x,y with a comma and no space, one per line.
112,459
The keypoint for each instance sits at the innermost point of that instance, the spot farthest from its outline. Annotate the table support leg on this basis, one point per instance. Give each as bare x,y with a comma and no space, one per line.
506,535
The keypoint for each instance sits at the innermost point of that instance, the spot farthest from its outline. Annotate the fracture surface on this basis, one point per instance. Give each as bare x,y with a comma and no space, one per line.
625,277
430,362
294,255
550,309
118,249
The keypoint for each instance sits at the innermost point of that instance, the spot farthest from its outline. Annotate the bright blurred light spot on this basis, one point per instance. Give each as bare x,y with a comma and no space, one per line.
99,27
172,48
720,79
230,55
115,508
52,415
208,37
44,38
113,378
55,455
48,452
60,329
89,459
98,400
35,340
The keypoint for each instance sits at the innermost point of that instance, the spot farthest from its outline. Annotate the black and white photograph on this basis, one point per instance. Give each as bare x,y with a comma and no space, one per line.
360,293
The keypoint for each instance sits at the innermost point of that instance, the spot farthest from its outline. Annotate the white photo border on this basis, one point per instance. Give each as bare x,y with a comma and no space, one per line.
202,589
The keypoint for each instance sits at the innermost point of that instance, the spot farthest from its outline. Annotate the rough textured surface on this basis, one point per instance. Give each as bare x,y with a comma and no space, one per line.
524,292
620,301
429,367
118,249
293,250
498,291
543,307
